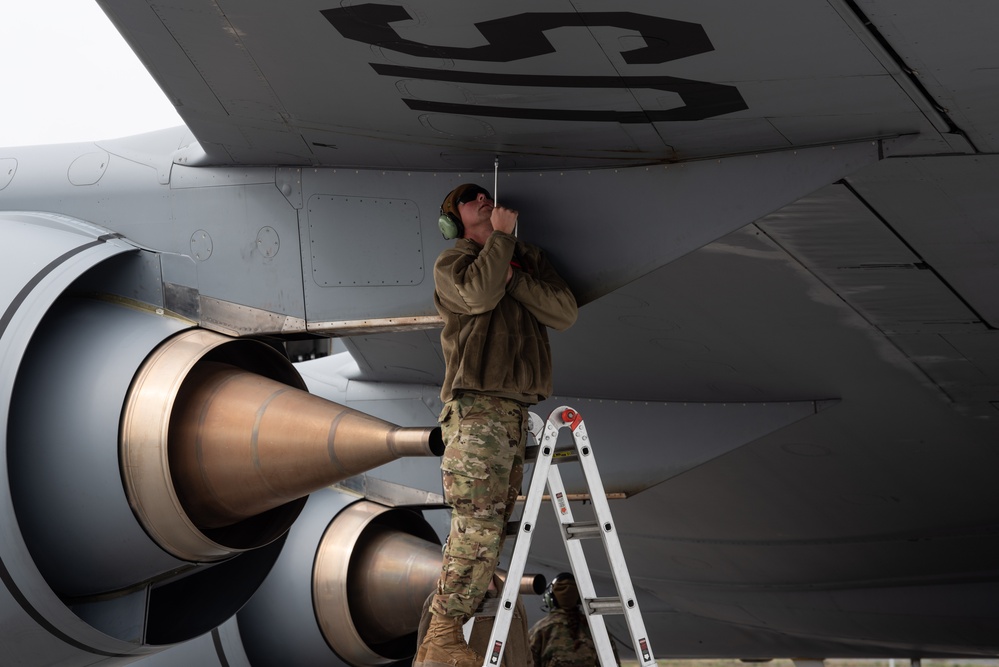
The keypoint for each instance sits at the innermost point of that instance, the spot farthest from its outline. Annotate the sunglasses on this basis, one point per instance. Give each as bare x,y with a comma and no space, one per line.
471,194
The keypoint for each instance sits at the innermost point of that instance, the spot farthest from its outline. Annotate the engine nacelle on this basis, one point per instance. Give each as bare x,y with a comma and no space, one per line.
347,591
371,569
123,527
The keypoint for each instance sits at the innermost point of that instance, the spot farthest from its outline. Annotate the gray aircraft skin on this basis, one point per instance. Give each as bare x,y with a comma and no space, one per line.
779,219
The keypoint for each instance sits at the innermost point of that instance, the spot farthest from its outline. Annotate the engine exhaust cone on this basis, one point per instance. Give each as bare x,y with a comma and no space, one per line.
221,443
374,568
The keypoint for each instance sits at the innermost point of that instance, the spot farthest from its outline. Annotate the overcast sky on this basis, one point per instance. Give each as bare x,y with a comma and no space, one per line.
67,75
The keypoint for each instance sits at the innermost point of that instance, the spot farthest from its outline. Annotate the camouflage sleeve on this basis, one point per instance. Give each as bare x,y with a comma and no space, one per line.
537,644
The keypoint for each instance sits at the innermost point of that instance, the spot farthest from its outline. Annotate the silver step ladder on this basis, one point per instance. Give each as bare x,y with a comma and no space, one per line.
546,474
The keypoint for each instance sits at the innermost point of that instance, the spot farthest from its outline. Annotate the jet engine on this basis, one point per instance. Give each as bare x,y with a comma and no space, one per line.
347,591
352,587
151,469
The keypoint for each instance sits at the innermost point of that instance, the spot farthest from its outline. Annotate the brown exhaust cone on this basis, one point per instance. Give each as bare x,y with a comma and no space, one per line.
375,566
220,444
388,591
395,574
241,444
373,569
530,584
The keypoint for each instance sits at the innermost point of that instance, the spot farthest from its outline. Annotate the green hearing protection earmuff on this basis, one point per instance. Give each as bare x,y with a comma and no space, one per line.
450,226
570,597
548,600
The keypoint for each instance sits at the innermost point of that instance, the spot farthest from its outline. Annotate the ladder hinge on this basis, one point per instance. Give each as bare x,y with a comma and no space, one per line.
566,455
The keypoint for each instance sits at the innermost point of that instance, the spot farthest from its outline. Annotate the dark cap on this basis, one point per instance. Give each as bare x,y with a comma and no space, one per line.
564,590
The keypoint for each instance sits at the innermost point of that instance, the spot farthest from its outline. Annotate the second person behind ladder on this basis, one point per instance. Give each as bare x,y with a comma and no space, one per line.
562,638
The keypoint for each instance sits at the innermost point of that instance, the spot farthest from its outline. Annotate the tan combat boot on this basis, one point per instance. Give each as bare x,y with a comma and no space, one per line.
444,645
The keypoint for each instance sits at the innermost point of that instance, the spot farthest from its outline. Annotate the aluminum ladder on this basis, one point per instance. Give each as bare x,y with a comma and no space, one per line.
546,474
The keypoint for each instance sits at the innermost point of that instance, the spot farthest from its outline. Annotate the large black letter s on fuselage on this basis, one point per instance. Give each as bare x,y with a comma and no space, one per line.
521,36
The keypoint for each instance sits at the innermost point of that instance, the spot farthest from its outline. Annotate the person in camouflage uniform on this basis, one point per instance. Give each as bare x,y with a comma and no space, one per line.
562,638
497,297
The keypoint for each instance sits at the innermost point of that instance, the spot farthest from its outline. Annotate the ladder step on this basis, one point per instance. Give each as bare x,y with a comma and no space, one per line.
579,530
601,606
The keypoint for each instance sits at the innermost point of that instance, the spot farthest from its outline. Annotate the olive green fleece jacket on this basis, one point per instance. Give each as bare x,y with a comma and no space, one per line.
495,336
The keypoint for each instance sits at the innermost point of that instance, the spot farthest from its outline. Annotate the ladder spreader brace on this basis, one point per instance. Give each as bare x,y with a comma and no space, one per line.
547,474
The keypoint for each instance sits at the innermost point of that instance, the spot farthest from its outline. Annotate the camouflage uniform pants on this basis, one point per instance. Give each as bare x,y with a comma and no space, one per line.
483,468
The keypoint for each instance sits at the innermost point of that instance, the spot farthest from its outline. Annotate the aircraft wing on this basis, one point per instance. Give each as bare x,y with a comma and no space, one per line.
450,85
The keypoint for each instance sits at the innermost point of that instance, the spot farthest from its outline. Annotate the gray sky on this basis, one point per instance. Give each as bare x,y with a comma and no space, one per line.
68,76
